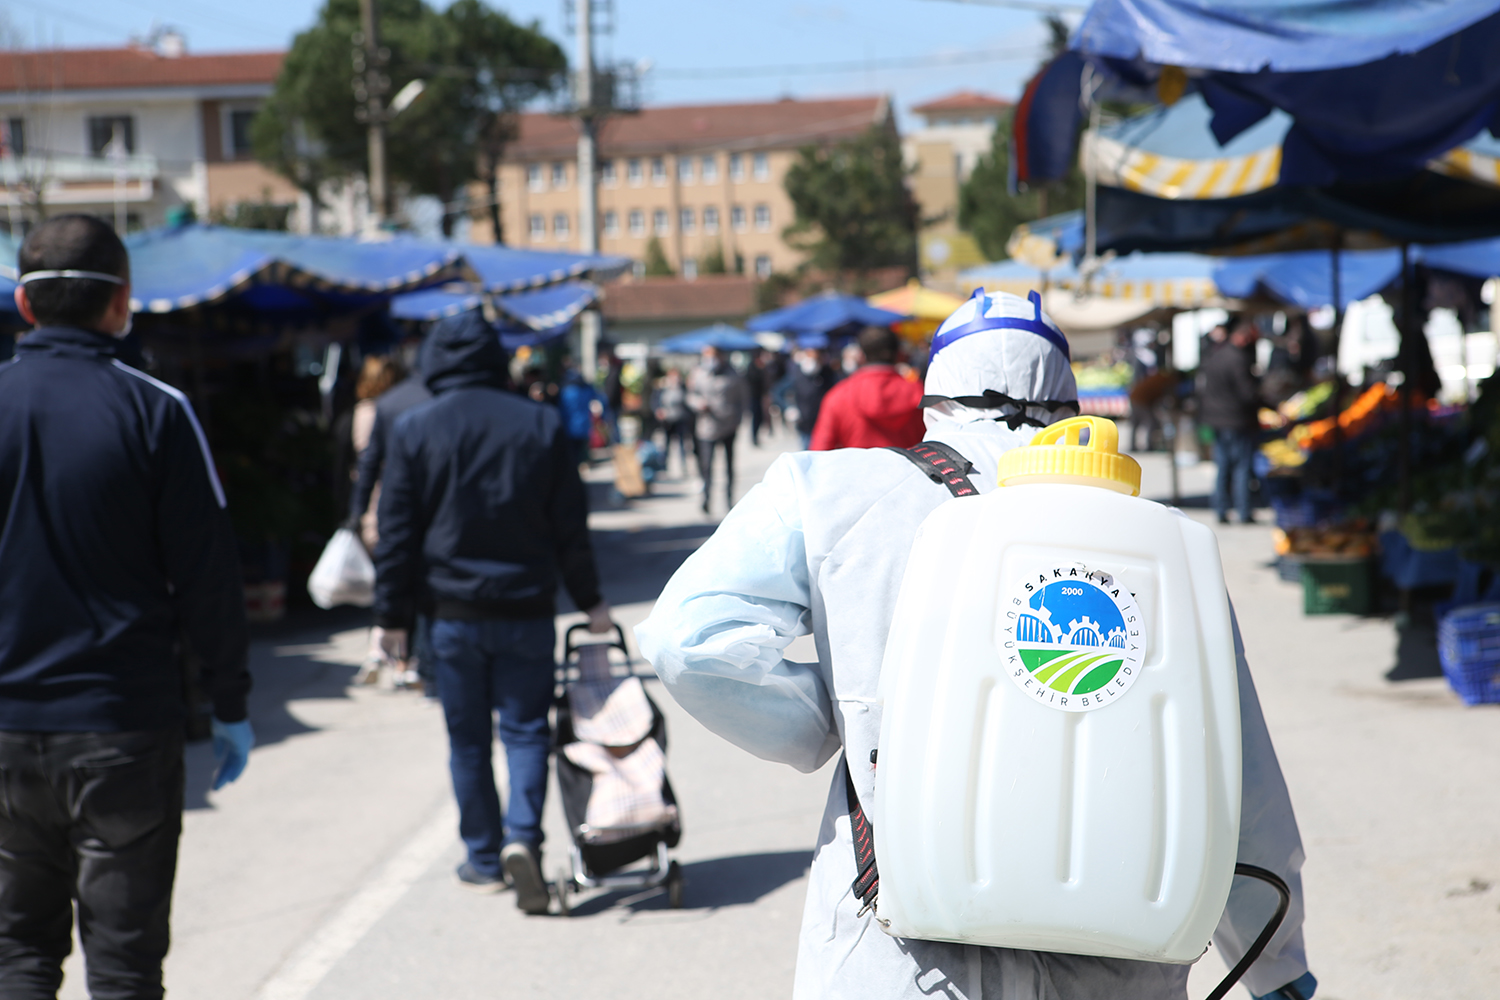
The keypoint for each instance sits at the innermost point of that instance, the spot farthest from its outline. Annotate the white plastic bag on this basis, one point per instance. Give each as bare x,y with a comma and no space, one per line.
344,573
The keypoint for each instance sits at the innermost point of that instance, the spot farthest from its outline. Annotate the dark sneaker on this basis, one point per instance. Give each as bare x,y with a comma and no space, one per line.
474,880
524,868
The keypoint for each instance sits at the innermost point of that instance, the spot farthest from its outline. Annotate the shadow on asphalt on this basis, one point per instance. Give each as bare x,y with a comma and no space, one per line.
284,667
712,884
635,565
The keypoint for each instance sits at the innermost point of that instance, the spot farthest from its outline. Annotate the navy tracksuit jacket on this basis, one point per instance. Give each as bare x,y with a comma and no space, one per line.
114,543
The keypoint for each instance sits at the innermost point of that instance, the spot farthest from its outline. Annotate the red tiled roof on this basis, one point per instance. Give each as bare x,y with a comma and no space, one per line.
708,297
963,100
696,126
122,68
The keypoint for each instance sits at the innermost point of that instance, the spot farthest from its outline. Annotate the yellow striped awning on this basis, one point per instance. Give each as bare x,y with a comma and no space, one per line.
1119,165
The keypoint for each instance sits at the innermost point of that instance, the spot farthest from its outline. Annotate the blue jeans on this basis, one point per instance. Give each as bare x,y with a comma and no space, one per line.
1233,452
484,667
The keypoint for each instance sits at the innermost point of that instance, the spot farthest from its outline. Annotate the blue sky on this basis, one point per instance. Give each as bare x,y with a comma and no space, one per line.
790,36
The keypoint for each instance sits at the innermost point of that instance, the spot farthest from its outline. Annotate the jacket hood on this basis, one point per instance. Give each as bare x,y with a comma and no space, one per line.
463,350
882,396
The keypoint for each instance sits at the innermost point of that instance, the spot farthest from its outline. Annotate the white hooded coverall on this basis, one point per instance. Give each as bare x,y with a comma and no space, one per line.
820,546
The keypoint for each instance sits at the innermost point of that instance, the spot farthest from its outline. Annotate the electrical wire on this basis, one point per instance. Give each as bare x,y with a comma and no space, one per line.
862,66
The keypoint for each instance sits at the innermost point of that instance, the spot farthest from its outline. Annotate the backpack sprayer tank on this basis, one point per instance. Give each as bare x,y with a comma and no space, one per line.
1059,757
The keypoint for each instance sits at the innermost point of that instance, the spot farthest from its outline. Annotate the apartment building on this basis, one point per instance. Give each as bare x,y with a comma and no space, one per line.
956,131
700,179
130,133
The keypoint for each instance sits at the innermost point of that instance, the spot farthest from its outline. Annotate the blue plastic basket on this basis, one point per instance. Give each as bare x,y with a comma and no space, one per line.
1469,648
1305,511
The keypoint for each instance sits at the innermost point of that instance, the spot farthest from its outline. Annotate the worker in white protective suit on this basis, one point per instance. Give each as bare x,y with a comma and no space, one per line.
820,546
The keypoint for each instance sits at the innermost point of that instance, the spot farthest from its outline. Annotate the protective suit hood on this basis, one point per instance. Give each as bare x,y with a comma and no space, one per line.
974,353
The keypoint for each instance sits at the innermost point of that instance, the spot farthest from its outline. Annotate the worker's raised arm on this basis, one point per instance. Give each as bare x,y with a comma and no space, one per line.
718,632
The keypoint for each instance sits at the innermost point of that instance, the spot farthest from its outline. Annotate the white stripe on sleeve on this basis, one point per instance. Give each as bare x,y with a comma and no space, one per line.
208,461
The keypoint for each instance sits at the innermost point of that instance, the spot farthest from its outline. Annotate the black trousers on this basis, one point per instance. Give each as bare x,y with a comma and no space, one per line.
706,466
91,817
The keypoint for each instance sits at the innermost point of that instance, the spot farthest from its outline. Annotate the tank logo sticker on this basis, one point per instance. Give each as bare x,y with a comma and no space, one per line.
1071,637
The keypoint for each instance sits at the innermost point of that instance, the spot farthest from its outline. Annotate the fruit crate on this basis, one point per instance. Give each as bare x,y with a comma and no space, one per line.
1332,586
1469,648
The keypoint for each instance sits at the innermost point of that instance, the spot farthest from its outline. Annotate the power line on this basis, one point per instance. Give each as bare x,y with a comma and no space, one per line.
807,69
55,11
1040,6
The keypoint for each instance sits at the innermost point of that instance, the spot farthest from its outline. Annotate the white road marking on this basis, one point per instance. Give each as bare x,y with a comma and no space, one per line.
300,974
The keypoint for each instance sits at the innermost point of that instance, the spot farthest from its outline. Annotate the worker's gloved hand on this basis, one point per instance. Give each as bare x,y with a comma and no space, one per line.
1301,988
232,743
599,618
390,643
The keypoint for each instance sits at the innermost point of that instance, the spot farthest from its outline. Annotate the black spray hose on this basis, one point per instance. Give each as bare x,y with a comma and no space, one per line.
1272,926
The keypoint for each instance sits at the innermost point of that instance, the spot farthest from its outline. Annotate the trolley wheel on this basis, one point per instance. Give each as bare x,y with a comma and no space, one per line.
561,888
674,885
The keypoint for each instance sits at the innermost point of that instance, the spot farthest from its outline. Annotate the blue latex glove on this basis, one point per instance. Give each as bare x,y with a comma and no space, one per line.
232,743
1305,986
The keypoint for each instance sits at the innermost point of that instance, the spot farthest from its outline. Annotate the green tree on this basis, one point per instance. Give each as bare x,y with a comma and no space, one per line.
713,261
656,260
990,212
987,207
478,67
854,211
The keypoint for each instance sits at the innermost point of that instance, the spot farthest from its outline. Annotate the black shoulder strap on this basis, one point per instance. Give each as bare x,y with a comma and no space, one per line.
867,877
942,465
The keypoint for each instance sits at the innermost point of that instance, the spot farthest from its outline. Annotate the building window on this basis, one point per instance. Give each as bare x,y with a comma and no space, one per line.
687,221
607,173
560,227
611,223
736,167
763,217
105,130
538,228
535,181
661,224
239,138
13,142
658,170
711,220
633,172
709,168
762,167
762,265
737,218
685,169
637,222
559,175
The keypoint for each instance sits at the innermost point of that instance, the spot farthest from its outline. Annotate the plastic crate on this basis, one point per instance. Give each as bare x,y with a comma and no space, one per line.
1289,568
1469,648
1305,511
1335,586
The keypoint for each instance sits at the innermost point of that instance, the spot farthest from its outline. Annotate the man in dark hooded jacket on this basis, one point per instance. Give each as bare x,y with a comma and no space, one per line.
481,511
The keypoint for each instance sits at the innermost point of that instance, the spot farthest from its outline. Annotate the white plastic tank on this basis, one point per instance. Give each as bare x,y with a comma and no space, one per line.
1059,757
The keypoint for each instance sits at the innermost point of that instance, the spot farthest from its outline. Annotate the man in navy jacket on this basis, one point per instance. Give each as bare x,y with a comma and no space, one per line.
481,511
114,543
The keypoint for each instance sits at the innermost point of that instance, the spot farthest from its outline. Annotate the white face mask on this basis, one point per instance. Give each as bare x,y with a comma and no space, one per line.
809,366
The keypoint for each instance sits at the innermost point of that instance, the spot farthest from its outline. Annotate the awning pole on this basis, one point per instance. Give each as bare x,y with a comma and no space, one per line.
1338,378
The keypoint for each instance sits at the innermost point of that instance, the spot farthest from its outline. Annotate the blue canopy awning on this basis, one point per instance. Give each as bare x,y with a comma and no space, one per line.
198,265
540,309
826,314
1305,278
720,335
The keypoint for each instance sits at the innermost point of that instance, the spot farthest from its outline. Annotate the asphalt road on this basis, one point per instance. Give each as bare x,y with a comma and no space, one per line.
326,871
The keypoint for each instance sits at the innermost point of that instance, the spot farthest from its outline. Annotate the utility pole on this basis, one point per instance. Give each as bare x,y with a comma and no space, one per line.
370,85
588,192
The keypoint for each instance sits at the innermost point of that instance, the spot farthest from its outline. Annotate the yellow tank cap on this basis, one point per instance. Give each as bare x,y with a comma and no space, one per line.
1056,455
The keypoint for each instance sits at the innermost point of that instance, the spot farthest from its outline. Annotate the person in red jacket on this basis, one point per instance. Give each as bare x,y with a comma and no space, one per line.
875,407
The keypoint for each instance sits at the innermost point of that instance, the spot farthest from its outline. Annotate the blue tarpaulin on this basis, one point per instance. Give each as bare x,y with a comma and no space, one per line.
1305,278
541,309
1246,36
828,313
720,335
189,266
